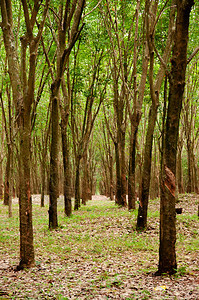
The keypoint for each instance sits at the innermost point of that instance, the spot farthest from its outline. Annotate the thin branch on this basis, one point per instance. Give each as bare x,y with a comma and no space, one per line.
192,55
92,9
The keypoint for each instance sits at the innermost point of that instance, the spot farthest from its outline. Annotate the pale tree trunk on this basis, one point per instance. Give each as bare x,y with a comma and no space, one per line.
167,253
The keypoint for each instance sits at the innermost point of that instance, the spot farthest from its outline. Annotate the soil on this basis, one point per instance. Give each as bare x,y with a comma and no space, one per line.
104,275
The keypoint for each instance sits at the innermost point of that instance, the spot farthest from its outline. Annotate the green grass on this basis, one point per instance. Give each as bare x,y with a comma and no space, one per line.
99,234
98,229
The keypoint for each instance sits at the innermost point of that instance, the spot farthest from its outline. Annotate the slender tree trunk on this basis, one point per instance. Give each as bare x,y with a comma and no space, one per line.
196,184
77,184
167,254
67,173
118,177
85,183
53,184
7,176
146,173
111,178
10,183
43,179
1,177
25,199
123,170
131,179
154,91
189,164
179,171
154,186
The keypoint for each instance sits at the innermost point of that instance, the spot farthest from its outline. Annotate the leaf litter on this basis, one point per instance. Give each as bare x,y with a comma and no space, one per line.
97,254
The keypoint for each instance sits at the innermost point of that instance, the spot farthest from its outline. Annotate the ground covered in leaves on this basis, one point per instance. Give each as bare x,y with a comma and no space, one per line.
97,254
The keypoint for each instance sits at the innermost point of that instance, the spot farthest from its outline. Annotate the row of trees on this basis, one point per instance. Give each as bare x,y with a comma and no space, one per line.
87,90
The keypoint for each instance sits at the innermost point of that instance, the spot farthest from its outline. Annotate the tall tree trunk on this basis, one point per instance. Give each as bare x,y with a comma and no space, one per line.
146,171
154,186
189,165
123,169
179,173
111,178
85,181
23,97
7,176
77,184
53,184
118,192
43,180
67,172
131,179
25,199
195,179
1,177
167,254
154,91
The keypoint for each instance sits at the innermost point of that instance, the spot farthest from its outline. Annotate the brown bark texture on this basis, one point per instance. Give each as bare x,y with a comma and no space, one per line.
53,184
154,91
23,97
167,254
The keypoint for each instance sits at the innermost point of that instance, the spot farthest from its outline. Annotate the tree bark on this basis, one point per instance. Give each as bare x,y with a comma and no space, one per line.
167,254
67,172
154,91
77,184
53,184
23,96
146,172
85,179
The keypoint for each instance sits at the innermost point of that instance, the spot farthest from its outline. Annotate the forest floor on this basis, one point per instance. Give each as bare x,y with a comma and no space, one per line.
97,254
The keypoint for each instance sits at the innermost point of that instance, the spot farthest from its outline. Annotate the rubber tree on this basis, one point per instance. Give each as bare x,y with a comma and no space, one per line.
119,21
154,93
135,112
23,85
81,134
167,253
9,132
68,22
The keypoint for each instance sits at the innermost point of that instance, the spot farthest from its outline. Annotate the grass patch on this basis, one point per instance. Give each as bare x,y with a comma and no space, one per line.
98,245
